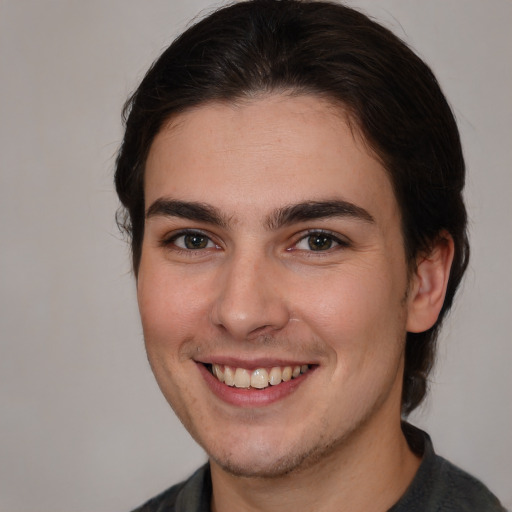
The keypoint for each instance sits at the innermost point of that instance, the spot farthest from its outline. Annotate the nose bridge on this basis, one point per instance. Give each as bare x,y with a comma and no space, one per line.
249,301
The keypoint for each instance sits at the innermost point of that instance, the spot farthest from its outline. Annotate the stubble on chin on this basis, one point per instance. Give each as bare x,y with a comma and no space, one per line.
297,460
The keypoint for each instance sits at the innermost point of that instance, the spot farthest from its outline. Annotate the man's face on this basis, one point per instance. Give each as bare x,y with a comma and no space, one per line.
272,245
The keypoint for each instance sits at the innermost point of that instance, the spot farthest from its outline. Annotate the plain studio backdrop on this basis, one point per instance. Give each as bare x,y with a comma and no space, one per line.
83,427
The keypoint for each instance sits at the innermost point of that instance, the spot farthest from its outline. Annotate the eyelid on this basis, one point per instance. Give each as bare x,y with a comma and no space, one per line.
340,240
169,239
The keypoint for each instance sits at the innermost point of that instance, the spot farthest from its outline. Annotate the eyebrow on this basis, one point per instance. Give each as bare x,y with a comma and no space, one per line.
190,210
310,210
300,212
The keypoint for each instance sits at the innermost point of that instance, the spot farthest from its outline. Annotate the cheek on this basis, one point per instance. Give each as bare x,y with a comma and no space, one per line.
170,306
357,312
348,296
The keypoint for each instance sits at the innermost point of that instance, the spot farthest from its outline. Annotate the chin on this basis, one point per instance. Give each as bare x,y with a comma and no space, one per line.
266,469
268,463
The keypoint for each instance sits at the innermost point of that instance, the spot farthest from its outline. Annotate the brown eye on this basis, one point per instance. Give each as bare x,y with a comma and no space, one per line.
195,241
192,241
320,242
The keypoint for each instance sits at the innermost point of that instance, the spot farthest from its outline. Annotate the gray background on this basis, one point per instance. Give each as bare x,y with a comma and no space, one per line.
82,424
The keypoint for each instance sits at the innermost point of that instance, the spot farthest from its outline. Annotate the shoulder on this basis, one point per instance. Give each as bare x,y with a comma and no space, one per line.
165,501
460,491
192,495
440,485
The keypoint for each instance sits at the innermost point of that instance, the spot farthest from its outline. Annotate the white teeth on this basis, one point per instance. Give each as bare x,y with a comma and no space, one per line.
287,373
229,376
260,378
218,372
242,378
275,376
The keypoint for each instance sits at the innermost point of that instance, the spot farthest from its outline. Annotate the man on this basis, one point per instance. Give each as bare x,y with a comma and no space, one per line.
292,180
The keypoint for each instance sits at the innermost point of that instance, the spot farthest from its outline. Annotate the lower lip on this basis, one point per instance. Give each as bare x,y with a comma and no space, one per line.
251,397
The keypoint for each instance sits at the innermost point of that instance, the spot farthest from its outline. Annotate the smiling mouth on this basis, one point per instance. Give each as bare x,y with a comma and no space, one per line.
261,378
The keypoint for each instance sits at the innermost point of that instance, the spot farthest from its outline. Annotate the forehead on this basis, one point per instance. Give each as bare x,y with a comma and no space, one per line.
264,152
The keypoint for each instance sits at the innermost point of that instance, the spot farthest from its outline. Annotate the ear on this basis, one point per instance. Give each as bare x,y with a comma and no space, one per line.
428,284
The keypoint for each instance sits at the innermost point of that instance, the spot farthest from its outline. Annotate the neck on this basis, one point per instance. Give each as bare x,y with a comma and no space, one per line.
369,472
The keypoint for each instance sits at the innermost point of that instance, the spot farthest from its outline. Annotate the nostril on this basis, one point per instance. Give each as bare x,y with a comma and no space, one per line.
264,334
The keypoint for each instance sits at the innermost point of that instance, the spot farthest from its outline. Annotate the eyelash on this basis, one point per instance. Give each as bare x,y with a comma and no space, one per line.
330,237
171,240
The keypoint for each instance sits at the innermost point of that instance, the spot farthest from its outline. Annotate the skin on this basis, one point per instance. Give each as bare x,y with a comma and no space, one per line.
255,293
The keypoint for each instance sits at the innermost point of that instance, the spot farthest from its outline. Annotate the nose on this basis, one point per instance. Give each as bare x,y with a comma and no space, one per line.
250,301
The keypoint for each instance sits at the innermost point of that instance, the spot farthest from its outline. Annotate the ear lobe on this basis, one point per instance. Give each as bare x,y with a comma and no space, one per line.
428,285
